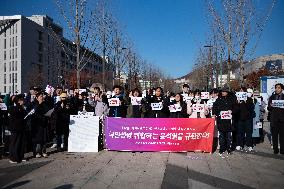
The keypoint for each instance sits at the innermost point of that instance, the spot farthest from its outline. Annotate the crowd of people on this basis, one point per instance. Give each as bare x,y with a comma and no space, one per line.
40,119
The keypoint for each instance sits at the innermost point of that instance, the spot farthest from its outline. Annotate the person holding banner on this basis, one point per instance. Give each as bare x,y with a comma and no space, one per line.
117,103
276,109
17,125
159,107
222,111
178,107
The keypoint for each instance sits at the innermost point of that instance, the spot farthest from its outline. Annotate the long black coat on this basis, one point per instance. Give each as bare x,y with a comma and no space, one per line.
39,123
119,111
180,114
16,119
276,114
61,118
223,104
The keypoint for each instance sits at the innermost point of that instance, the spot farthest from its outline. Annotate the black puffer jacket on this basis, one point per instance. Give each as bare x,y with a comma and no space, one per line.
223,103
164,113
16,119
244,110
276,114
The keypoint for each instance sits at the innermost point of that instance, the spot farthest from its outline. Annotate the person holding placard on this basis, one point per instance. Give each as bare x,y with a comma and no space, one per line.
159,107
117,103
276,109
222,111
244,110
197,108
134,104
178,107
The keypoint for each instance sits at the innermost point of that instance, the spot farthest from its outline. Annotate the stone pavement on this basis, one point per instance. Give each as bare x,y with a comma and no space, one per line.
110,169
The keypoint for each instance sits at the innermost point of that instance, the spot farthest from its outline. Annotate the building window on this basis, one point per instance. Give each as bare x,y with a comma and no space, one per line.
16,56
13,53
10,30
13,42
16,79
5,80
40,47
9,66
39,35
5,34
40,58
16,65
13,66
4,55
10,42
9,89
16,41
10,78
5,69
5,43
10,54
16,27
13,28
5,89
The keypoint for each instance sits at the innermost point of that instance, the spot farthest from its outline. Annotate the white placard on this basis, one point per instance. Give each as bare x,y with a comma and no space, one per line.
278,103
184,94
257,125
172,99
226,115
175,108
157,106
198,107
113,102
3,106
242,95
188,99
136,100
84,133
86,113
205,95
82,90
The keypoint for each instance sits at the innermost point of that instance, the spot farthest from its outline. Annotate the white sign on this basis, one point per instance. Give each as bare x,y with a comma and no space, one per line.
136,100
226,114
82,90
278,103
113,102
198,107
84,133
242,95
157,106
188,99
172,99
205,95
257,125
3,106
86,113
175,108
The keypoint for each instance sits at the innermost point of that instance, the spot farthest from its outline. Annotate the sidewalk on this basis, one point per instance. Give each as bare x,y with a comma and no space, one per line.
110,169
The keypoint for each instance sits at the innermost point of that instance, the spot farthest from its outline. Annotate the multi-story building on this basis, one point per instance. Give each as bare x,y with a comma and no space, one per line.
33,51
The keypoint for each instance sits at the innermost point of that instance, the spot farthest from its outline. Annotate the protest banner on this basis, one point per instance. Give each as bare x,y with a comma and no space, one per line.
226,115
3,106
114,102
136,100
242,95
156,106
205,95
84,133
278,103
159,134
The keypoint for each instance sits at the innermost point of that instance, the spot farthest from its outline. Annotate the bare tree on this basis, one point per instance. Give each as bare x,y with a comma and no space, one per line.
239,22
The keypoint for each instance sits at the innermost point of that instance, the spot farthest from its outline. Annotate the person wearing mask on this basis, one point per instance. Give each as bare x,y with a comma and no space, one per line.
162,111
224,104
134,108
180,107
120,110
277,118
244,109
39,126
61,119
197,102
17,125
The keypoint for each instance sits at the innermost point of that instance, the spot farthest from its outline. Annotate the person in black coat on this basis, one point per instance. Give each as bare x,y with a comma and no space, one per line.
39,126
17,125
134,111
121,110
277,119
183,111
61,119
244,109
225,127
159,98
